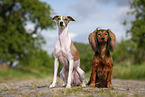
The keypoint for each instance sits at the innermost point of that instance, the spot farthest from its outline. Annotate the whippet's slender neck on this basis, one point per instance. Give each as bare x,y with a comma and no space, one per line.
63,36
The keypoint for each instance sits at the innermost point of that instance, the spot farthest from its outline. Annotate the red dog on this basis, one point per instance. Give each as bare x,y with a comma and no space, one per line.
102,42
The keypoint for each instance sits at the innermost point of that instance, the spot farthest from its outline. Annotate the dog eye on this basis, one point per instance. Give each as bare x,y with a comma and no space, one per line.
98,34
58,18
65,19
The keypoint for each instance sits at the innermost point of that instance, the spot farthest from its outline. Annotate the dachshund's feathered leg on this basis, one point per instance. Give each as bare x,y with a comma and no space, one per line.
93,76
109,83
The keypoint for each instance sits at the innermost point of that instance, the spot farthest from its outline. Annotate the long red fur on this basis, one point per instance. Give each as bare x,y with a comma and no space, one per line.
102,64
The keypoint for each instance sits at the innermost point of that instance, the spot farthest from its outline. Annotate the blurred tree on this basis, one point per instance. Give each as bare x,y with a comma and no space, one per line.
86,55
137,30
41,62
17,43
123,53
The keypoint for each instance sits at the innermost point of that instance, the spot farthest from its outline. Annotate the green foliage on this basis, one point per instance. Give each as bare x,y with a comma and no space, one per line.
124,52
125,71
40,61
86,55
16,42
137,30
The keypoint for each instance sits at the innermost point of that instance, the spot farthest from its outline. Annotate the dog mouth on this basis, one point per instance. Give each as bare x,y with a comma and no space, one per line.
61,27
102,42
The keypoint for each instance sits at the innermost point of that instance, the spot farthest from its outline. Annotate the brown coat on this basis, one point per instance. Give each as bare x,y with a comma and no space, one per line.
102,42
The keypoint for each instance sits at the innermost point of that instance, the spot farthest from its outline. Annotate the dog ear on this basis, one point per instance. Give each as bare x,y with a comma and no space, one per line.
112,43
70,18
55,17
93,40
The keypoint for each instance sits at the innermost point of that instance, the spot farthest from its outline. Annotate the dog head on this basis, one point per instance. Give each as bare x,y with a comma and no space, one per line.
62,21
102,36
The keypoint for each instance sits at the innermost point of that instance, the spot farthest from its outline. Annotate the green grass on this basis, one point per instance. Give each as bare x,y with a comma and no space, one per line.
90,92
129,72
19,74
119,71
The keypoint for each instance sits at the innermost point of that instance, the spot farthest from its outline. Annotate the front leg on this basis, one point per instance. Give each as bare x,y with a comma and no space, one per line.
109,83
56,63
93,76
110,68
71,62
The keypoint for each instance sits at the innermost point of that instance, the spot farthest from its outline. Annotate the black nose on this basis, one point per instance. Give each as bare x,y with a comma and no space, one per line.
102,38
61,24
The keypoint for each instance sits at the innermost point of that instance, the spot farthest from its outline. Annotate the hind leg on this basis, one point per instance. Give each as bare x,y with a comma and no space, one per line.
63,75
76,76
82,76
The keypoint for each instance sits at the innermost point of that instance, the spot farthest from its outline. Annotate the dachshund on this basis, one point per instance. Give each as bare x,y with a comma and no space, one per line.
102,42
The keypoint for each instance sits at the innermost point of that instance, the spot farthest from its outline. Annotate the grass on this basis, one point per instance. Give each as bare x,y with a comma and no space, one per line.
78,91
129,72
119,71
89,92
41,88
13,74
75,91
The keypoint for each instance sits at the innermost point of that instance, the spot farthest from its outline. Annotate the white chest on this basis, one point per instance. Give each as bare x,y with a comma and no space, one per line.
62,50
62,47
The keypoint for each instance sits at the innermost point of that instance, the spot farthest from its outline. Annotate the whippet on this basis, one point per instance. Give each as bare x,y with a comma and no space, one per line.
66,52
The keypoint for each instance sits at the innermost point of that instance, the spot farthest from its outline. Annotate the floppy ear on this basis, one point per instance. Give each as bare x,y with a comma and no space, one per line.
93,41
112,43
55,17
70,18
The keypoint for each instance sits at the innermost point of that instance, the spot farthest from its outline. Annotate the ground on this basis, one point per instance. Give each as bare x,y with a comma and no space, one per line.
40,88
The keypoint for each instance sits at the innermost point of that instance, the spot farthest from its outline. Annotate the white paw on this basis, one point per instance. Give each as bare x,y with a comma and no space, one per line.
83,85
68,86
52,85
63,85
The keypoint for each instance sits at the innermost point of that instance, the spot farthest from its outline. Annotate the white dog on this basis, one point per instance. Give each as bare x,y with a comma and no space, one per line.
66,52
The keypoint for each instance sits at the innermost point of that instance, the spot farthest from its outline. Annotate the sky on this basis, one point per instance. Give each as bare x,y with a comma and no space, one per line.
88,15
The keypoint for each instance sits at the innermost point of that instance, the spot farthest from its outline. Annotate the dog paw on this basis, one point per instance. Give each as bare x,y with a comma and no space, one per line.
83,85
92,85
52,85
63,85
68,86
109,85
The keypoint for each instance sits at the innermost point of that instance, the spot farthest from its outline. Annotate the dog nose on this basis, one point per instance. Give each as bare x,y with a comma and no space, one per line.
102,38
61,24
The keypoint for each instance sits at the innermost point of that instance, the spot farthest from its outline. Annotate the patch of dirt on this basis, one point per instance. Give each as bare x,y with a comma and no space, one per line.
40,87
